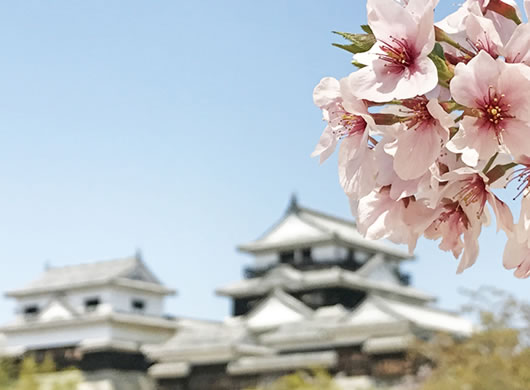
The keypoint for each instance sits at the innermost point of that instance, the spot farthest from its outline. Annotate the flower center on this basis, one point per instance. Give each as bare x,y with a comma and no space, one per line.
417,112
453,213
347,123
473,190
494,109
484,44
398,54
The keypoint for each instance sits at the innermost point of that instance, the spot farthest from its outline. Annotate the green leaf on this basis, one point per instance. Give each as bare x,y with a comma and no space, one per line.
445,73
351,48
349,36
366,28
357,64
359,42
438,50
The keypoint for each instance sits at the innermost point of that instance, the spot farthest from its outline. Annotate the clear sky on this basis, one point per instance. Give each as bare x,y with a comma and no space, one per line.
177,127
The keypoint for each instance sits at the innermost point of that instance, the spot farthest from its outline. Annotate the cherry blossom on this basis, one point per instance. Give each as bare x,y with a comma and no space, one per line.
482,35
399,188
398,66
517,251
471,188
380,216
421,139
517,256
517,49
458,230
434,125
347,117
499,95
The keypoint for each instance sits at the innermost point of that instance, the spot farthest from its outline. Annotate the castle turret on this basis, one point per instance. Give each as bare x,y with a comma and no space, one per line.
317,294
93,316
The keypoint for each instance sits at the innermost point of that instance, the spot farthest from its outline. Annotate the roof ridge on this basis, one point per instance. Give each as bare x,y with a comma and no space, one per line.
89,263
87,274
316,225
326,215
423,307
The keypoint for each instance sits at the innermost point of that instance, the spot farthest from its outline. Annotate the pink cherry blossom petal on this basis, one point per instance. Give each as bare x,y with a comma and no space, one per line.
471,250
514,84
416,151
503,215
517,50
326,145
472,80
516,136
474,141
327,91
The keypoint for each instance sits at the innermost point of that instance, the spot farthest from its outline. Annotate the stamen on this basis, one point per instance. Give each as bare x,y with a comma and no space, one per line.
494,110
452,210
474,190
397,53
350,124
417,112
484,44
522,175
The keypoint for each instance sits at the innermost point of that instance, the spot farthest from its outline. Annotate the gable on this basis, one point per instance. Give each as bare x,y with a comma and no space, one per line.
140,272
278,308
370,313
292,228
56,310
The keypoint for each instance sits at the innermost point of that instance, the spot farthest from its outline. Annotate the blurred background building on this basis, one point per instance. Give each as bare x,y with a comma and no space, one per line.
317,294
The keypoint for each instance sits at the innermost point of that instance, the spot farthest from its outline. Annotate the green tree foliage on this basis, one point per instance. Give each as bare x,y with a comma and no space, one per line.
496,357
315,380
7,373
31,375
27,376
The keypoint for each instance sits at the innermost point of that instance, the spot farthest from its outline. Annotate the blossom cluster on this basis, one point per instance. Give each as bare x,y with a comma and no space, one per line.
436,116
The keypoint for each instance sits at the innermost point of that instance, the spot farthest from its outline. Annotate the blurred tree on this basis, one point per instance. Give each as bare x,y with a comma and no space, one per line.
495,357
7,373
30,375
27,376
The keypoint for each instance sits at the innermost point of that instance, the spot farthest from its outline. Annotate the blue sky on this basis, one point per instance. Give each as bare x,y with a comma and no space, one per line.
180,128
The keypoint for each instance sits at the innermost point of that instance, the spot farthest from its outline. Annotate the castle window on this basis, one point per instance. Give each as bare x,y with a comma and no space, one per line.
306,255
31,311
138,305
92,304
286,257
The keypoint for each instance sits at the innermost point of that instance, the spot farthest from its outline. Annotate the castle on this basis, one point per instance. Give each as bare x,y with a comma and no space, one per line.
316,295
